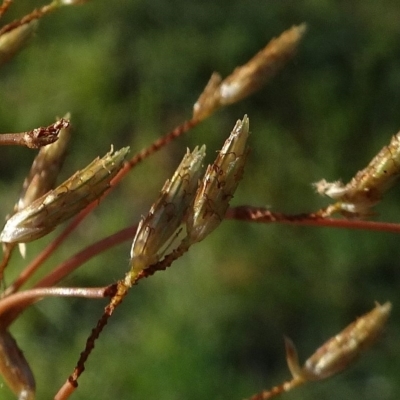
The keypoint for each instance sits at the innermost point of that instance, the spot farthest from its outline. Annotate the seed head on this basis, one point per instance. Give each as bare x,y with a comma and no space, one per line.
219,184
46,213
168,212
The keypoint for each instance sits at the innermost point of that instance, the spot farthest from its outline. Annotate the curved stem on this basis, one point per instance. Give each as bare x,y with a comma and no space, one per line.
70,265
48,251
86,254
27,297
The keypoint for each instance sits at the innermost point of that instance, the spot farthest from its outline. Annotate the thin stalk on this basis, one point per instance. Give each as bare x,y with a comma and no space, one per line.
27,297
262,215
115,301
65,391
158,144
35,14
68,266
35,138
122,288
71,264
277,390
48,251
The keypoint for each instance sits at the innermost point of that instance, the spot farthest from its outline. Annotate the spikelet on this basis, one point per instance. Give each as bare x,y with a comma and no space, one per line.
167,213
337,354
202,206
44,214
367,187
341,350
251,76
344,348
219,184
210,99
15,369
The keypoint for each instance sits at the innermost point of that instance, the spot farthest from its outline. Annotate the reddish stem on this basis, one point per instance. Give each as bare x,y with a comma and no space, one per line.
35,138
35,14
154,147
27,297
278,390
66,390
120,292
72,263
48,251
262,215
78,259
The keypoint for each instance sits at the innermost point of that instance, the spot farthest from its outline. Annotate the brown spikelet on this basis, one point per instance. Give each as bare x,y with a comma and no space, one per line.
47,212
344,348
14,368
219,184
335,355
166,214
251,76
367,187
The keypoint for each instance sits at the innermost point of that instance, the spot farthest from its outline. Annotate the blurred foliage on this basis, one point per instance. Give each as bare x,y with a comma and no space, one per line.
212,326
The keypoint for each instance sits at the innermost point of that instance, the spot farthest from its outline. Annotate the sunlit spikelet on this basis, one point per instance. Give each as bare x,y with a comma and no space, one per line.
210,99
14,368
341,350
168,212
13,41
219,184
44,214
337,354
367,187
251,76
344,348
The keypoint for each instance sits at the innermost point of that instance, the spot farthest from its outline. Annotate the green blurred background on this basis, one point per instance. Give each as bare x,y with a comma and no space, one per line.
212,326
